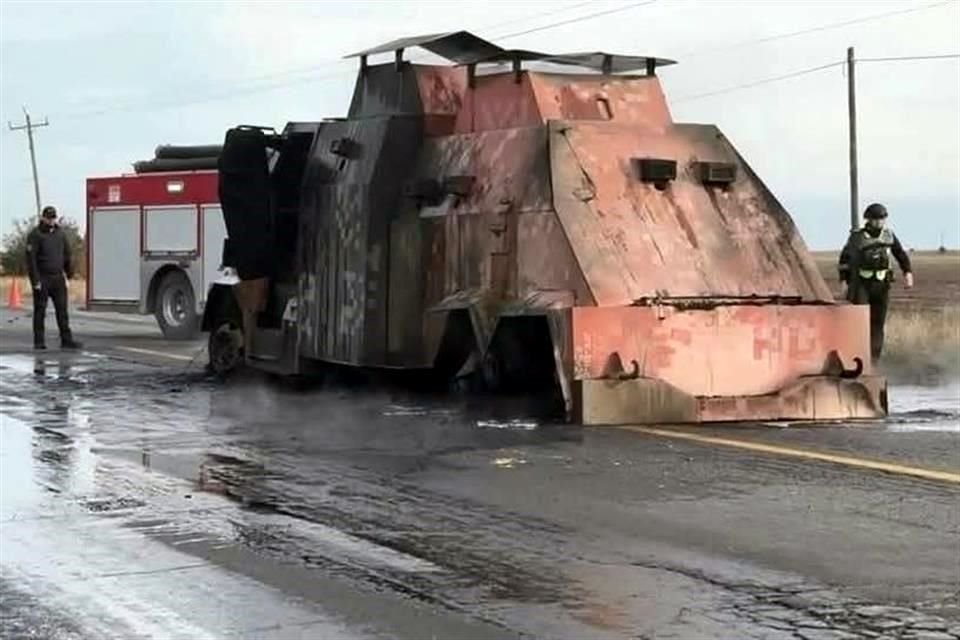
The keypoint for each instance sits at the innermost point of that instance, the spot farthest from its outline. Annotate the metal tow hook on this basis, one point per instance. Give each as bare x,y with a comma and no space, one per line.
834,366
614,368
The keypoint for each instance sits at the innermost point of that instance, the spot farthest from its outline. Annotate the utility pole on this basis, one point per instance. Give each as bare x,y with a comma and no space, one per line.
30,126
852,107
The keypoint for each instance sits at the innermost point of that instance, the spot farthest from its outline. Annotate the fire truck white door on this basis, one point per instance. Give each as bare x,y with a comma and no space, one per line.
171,229
115,254
214,232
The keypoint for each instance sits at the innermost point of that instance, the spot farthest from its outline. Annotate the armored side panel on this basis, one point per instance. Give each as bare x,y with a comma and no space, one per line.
677,237
384,91
362,238
351,193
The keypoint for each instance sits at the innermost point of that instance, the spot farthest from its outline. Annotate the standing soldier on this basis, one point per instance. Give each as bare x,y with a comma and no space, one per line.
48,260
865,269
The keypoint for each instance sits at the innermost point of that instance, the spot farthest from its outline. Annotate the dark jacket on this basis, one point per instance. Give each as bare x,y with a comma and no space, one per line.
865,250
48,253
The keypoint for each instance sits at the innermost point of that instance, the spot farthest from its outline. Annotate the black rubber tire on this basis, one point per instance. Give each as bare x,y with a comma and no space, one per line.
224,350
176,307
493,374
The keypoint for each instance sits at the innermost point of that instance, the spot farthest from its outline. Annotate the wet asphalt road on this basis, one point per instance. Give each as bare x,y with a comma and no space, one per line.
140,500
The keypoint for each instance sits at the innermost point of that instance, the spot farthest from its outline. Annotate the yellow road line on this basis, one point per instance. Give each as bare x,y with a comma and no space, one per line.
862,463
159,354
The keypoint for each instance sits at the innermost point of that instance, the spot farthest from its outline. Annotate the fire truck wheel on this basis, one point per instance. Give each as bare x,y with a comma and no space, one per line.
176,308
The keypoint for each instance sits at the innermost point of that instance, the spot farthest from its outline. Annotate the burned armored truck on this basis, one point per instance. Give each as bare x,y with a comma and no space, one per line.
486,221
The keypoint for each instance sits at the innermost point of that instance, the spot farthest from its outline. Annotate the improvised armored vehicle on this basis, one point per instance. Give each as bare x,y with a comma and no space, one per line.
485,221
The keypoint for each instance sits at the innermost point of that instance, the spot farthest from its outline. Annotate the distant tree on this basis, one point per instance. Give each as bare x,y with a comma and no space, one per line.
13,249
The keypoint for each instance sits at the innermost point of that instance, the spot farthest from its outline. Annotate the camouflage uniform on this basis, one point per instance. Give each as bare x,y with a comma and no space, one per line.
865,266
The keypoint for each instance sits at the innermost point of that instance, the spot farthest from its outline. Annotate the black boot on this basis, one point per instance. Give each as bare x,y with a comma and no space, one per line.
70,343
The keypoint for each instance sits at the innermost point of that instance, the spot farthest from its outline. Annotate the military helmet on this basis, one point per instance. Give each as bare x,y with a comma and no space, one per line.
875,210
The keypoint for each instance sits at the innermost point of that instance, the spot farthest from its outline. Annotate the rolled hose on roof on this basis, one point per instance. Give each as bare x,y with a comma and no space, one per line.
172,151
157,165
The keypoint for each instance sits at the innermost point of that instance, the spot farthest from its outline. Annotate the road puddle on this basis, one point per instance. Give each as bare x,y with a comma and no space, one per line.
925,408
121,551
520,425
372,486
509,462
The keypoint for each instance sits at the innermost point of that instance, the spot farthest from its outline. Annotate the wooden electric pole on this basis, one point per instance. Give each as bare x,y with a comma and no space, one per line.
852,108
30,126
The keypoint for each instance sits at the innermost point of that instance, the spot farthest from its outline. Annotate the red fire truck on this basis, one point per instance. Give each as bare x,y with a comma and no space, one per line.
155,238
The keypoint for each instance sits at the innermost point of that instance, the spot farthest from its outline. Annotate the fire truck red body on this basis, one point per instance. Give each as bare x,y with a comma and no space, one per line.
154,245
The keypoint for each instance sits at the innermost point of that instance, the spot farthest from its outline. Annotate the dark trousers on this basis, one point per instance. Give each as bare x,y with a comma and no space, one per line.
55,288
876,293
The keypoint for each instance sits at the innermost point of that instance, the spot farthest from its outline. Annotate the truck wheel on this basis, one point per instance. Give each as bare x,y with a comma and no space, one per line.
493,373
225,349
176,308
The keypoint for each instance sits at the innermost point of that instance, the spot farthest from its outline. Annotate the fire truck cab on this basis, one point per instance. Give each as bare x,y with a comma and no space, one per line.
154,242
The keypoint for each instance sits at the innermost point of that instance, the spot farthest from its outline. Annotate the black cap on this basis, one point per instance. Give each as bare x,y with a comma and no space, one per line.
49,212
875,210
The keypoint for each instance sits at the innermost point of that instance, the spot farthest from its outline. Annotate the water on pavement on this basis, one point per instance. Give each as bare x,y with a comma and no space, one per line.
146,502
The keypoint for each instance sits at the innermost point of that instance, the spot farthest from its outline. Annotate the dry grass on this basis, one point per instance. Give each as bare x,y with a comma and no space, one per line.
937,279
923,323
922,342
77,290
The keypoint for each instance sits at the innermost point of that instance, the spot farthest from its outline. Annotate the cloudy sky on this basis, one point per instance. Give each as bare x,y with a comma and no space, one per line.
118,78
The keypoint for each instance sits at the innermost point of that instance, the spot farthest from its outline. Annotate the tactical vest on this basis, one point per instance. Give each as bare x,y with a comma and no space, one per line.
875,254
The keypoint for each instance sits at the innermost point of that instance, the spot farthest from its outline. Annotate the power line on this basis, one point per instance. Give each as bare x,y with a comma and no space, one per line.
581,18
818,28
149,104
945,56
757,83
539,14
334,63
238,91
809,70
542,14
588,16
223,95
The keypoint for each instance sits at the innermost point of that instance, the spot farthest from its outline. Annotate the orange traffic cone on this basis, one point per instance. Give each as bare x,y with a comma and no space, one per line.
14,298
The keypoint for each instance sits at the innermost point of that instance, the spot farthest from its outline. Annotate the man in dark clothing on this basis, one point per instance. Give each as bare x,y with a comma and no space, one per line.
866,272
48,260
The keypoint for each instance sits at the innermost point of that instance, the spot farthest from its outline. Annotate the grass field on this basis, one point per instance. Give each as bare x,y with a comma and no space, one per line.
936,275
76,288
923,323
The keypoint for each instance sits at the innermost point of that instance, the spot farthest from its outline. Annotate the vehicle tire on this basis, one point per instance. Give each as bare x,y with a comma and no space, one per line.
225,349
492,372
176,307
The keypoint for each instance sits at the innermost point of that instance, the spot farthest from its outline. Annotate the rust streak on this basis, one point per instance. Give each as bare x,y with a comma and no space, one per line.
687,229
